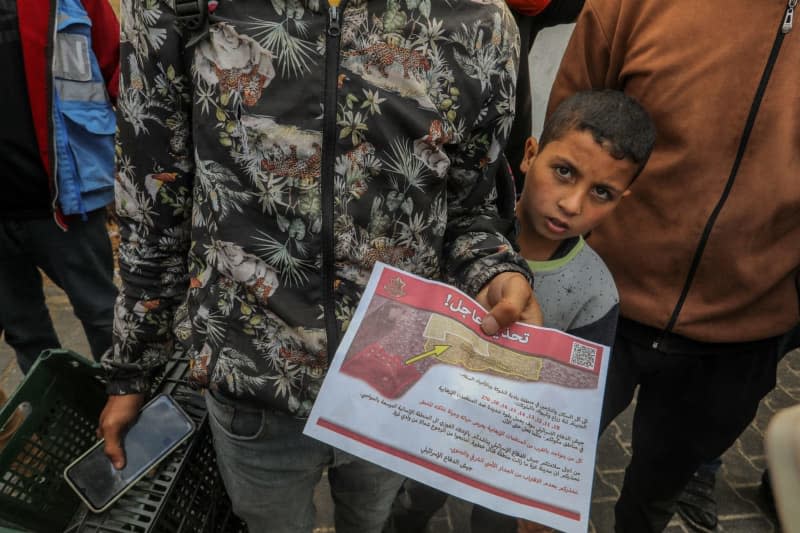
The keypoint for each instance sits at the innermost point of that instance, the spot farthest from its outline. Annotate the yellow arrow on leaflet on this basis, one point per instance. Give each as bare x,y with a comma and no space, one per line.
438,349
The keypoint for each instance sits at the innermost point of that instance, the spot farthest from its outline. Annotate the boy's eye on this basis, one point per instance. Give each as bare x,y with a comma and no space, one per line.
563,172
603,194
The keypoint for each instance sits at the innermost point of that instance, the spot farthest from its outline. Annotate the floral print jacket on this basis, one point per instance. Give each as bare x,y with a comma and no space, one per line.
266,163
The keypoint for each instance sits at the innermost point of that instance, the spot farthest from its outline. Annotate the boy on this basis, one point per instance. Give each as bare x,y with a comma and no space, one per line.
591,150
266,162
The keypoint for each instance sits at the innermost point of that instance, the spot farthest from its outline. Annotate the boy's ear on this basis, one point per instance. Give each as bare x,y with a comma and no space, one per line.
531,151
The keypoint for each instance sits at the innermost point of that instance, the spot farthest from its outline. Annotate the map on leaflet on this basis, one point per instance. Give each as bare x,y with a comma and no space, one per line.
509,421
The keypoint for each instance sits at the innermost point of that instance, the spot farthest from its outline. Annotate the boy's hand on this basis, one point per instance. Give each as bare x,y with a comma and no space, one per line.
509,298
118,414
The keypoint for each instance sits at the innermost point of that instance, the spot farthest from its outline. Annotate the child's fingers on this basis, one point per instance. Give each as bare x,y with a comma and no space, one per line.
532,314
509,299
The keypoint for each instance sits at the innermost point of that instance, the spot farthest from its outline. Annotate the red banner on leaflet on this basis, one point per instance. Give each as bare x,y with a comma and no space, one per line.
576,353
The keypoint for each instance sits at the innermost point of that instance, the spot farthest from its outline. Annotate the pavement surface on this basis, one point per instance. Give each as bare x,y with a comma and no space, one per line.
742,509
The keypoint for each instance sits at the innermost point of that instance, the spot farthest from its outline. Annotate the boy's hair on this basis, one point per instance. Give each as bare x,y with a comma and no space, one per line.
616,121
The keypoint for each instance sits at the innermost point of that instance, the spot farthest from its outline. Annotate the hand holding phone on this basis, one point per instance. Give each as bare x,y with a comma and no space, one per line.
118,414
161,427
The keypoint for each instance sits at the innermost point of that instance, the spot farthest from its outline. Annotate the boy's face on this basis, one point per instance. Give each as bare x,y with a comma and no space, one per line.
569,187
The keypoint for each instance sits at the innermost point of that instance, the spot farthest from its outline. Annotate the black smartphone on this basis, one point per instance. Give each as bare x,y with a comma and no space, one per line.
161,427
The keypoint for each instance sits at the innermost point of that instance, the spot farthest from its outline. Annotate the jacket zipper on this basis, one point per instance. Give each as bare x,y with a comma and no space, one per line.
788,18
50,92
783,29
329,137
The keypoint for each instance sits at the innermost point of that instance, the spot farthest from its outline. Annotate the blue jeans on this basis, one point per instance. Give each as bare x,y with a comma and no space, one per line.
78,260
270,470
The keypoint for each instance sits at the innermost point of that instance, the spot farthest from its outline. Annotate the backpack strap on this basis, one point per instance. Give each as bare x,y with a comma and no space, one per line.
191,14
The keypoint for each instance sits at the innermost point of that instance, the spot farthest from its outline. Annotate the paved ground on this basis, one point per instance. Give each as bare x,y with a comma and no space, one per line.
741,507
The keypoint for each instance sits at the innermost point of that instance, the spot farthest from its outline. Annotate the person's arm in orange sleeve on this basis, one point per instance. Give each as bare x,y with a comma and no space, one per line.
587,62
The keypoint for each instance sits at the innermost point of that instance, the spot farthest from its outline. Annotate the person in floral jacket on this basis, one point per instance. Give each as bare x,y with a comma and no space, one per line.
265,164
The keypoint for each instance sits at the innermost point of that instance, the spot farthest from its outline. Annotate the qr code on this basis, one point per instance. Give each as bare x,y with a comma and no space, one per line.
583,356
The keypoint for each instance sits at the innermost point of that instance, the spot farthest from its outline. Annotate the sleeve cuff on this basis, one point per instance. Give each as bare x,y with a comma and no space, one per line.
119,387
480,275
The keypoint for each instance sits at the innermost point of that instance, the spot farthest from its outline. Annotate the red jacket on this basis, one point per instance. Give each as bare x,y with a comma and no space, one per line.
528,7
36,18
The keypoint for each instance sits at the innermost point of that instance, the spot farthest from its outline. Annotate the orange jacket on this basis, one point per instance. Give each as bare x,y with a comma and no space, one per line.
696,68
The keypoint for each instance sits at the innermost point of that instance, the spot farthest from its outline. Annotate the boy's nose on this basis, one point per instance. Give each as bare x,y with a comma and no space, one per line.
571,204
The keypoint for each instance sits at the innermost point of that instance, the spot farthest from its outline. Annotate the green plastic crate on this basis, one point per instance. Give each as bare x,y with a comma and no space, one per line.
63,394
